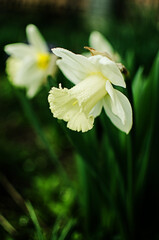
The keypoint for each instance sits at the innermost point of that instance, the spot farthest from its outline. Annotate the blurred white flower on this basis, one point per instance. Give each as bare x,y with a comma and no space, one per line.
101,44
94,78
29,64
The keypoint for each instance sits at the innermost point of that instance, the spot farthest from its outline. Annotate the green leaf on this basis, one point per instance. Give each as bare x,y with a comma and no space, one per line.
66,230
137,86
35,221
148,110
55,230
145,94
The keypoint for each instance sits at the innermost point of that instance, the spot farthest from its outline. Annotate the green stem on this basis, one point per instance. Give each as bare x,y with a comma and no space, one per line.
130,195
30,114
130,167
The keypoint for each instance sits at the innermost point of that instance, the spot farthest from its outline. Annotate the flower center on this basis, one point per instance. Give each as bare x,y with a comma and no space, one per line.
43,60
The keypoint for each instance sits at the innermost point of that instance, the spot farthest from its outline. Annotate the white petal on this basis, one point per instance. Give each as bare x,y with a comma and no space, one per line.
110,70
77,63
19,50
96,111
72,75
52,67
96,61
29,73
100,43
36,39
33,88
118,109
25,74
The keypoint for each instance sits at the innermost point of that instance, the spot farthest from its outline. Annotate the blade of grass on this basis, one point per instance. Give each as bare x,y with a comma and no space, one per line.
13,192
7,226
65,232
34,219
54,235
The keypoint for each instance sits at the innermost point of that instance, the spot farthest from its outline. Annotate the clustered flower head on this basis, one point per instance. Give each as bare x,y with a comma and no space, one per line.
29,64
94,78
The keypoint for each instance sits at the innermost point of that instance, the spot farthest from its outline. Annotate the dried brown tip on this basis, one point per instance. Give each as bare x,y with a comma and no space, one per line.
123,69
95,52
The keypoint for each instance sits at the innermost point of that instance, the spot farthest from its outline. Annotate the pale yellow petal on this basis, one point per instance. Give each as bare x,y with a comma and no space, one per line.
64,106
119,110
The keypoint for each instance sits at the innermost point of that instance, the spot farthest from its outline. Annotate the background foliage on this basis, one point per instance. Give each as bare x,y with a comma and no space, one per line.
105,170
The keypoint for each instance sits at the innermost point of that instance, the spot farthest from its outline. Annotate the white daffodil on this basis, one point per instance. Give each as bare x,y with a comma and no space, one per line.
29,64
94,78
101,44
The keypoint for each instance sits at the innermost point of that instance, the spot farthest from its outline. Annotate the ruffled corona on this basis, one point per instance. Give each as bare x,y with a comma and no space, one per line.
74,105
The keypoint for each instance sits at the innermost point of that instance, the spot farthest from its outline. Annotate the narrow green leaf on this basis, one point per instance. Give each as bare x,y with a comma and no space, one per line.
55,230
35,221
151,95
65,232
137,86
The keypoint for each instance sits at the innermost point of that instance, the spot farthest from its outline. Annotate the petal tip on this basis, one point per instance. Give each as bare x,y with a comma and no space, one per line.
6,48
52,49
31,28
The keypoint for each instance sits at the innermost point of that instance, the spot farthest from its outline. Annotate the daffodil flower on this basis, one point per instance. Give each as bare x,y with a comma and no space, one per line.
94,78
29,64
100,43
